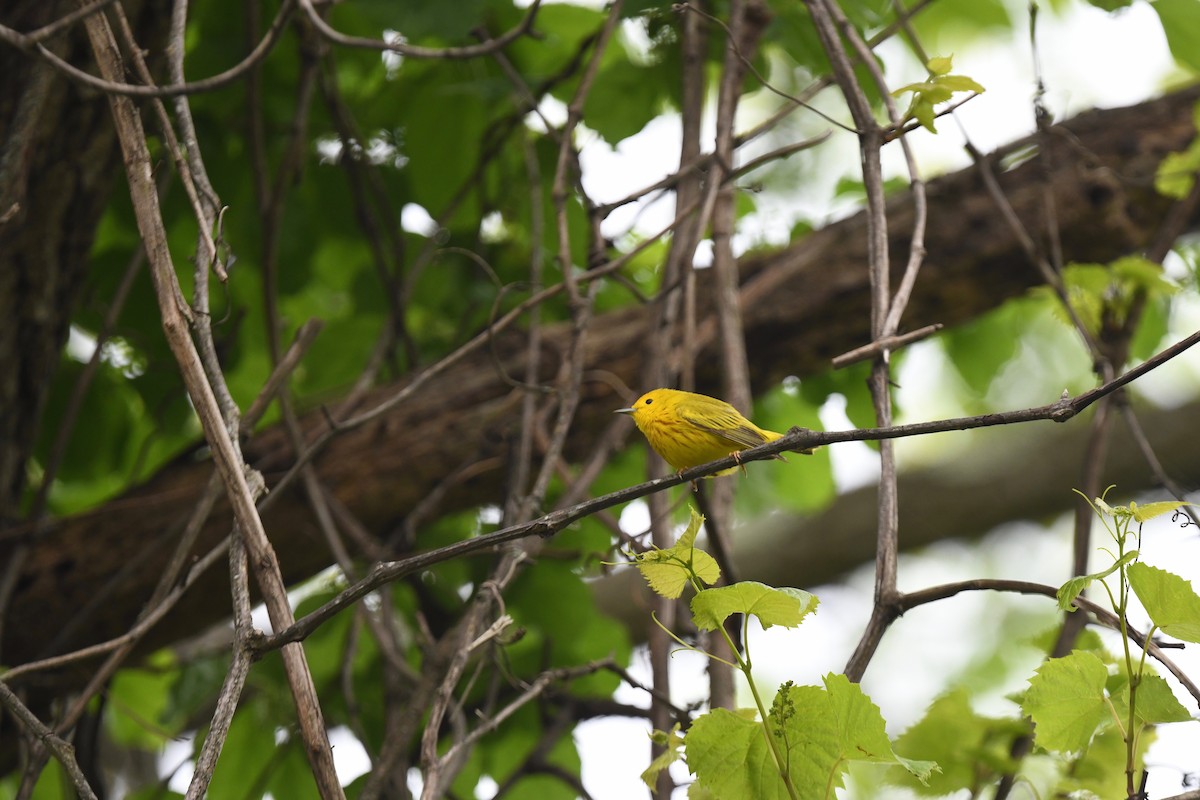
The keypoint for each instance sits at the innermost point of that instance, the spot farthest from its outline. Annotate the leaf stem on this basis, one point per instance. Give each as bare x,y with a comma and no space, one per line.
1130,734
744,664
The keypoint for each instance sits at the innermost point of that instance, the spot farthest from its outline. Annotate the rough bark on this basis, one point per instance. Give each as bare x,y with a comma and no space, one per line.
88,577
55,182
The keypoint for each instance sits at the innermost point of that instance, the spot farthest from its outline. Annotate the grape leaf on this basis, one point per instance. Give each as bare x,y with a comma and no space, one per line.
669,570
818,731
1170,601
1066,701
772,606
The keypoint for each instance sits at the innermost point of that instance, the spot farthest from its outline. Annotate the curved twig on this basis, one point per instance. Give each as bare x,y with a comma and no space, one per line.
27,43
416,51
911,600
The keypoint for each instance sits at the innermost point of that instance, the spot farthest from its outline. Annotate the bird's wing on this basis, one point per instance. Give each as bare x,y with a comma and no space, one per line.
722,420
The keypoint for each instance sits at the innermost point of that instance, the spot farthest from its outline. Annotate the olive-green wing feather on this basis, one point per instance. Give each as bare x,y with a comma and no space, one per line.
722,419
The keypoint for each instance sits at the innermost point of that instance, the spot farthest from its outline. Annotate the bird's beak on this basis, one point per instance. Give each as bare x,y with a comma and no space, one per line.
624,411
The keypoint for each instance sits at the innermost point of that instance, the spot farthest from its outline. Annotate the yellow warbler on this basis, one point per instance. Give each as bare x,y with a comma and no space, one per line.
689,429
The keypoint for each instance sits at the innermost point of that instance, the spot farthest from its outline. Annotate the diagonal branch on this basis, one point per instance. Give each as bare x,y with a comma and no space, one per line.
229,464
796,439
61,749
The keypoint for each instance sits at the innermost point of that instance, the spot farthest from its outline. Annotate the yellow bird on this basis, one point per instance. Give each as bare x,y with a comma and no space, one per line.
689,429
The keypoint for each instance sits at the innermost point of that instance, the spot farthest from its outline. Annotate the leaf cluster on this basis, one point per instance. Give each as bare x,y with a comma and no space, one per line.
804,743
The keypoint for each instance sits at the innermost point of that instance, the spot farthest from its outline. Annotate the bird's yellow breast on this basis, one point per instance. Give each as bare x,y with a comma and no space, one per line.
682,444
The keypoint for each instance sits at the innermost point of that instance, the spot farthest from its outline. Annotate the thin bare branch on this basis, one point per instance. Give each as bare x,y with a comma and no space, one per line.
235,677
827,19
66,21
228,461
62,750
911,600
796,439
416,51
116,87
1034,253
886,344
535,689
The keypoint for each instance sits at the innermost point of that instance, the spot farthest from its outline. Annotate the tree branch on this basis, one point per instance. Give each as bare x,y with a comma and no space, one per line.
228,461
795,440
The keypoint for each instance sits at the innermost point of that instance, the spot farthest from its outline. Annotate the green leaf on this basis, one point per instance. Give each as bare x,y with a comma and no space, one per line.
1101,770
939,65
52,784
669,571
1156,703
1152,510
443,22
564,631
1176,173
822,730
546,785
851,383
964,745
505,756
937,88
687,539
1144,274
962,19
784,606
1152,329
441,146
563,29
1181,23
624,97
1104,294
1066,701
291,774
805,483
865,13
247,755
922,112
152,792
960,83
980,349
1170,601
673,742
1087,287
1110,511
727,754
862,730
849,187
1075,586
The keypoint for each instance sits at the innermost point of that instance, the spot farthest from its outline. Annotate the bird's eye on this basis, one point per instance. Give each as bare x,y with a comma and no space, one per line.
649,401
